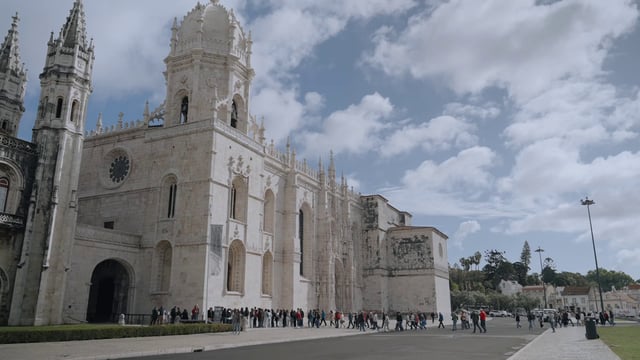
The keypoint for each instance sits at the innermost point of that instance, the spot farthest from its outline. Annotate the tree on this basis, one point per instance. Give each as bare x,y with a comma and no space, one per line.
465,263
609,279
520,271
497,268
525,256
477,257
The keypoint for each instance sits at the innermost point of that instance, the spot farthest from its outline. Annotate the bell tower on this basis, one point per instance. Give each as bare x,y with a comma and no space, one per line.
58,132
209,70
13,81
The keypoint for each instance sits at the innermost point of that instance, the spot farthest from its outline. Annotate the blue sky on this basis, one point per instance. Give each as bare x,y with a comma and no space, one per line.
488,120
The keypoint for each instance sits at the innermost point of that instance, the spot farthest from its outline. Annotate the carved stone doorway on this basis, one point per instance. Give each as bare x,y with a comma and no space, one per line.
108,293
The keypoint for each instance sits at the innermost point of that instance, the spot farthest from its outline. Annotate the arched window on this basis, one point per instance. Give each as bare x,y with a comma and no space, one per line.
4,192
184,109
234,114
238,199
235,267
74,109
172,191
59,108
304,236
164,255
269,212
267,266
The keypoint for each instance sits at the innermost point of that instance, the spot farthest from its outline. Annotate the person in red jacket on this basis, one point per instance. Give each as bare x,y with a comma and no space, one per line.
483,321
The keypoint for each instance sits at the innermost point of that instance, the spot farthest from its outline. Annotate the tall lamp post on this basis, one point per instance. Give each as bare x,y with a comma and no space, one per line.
588,202
539,250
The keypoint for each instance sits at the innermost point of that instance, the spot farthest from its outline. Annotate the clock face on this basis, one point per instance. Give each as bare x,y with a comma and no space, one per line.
119,169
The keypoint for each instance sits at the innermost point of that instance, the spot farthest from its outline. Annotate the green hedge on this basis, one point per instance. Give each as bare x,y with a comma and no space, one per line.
31,334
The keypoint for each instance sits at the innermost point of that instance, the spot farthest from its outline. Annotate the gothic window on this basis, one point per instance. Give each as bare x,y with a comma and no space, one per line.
234,114
267,266
238,199
304,235
59,108
184,109
301,237
269,212
171,204
74,109
4,192
164,255
235,267
232,207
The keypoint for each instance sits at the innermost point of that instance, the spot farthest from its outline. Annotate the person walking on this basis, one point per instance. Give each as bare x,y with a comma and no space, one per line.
399,322
530,318
385,322
475,318
454,319
518,321
483,321
440,320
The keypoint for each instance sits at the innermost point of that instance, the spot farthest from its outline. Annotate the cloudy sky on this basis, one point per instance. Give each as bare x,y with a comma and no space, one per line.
489,120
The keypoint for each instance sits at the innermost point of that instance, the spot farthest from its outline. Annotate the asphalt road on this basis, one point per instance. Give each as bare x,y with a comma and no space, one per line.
500,342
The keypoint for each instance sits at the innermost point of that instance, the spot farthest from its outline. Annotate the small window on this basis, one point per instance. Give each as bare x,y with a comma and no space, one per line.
74,108
59,108
171,210
109,224
184,110
4,125
234,114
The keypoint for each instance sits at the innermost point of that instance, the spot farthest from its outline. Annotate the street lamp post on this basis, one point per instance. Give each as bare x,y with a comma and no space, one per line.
588,202
544,288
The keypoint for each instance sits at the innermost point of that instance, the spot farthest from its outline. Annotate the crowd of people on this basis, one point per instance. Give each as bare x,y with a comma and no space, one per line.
244,318
565,318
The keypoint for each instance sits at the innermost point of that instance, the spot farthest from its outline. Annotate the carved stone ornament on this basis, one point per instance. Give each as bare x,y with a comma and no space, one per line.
237,166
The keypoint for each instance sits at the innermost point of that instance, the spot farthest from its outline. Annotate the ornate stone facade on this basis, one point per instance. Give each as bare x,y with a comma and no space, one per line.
191,205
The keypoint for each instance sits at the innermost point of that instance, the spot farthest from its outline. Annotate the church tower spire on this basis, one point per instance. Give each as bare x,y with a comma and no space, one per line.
59,134
208,69
66,79
13,82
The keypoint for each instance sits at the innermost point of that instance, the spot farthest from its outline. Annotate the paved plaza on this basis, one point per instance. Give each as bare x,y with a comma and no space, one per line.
565,343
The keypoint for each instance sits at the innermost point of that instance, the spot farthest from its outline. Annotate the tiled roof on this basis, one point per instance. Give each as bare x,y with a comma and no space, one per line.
576,290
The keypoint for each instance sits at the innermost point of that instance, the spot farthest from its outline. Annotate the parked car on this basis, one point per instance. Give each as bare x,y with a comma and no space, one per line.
499,313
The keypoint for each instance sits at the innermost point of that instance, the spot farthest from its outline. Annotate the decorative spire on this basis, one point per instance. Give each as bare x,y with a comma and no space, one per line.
9,51
332,166
145,114
74,30
99,124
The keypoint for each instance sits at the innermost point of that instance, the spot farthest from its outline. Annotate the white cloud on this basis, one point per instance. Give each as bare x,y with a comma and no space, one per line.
281,109
314,102
465,229
440,133
517,45
456,109
352,130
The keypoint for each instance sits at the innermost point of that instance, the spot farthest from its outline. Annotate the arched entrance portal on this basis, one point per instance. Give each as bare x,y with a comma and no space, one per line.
108,293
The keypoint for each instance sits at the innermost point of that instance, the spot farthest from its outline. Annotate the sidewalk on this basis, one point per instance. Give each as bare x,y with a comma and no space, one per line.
159,345
565,343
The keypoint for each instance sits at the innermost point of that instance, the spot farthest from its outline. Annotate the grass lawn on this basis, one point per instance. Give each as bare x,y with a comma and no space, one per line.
623,340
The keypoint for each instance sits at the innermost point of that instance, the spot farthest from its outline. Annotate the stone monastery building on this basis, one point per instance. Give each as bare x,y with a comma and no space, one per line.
190,205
